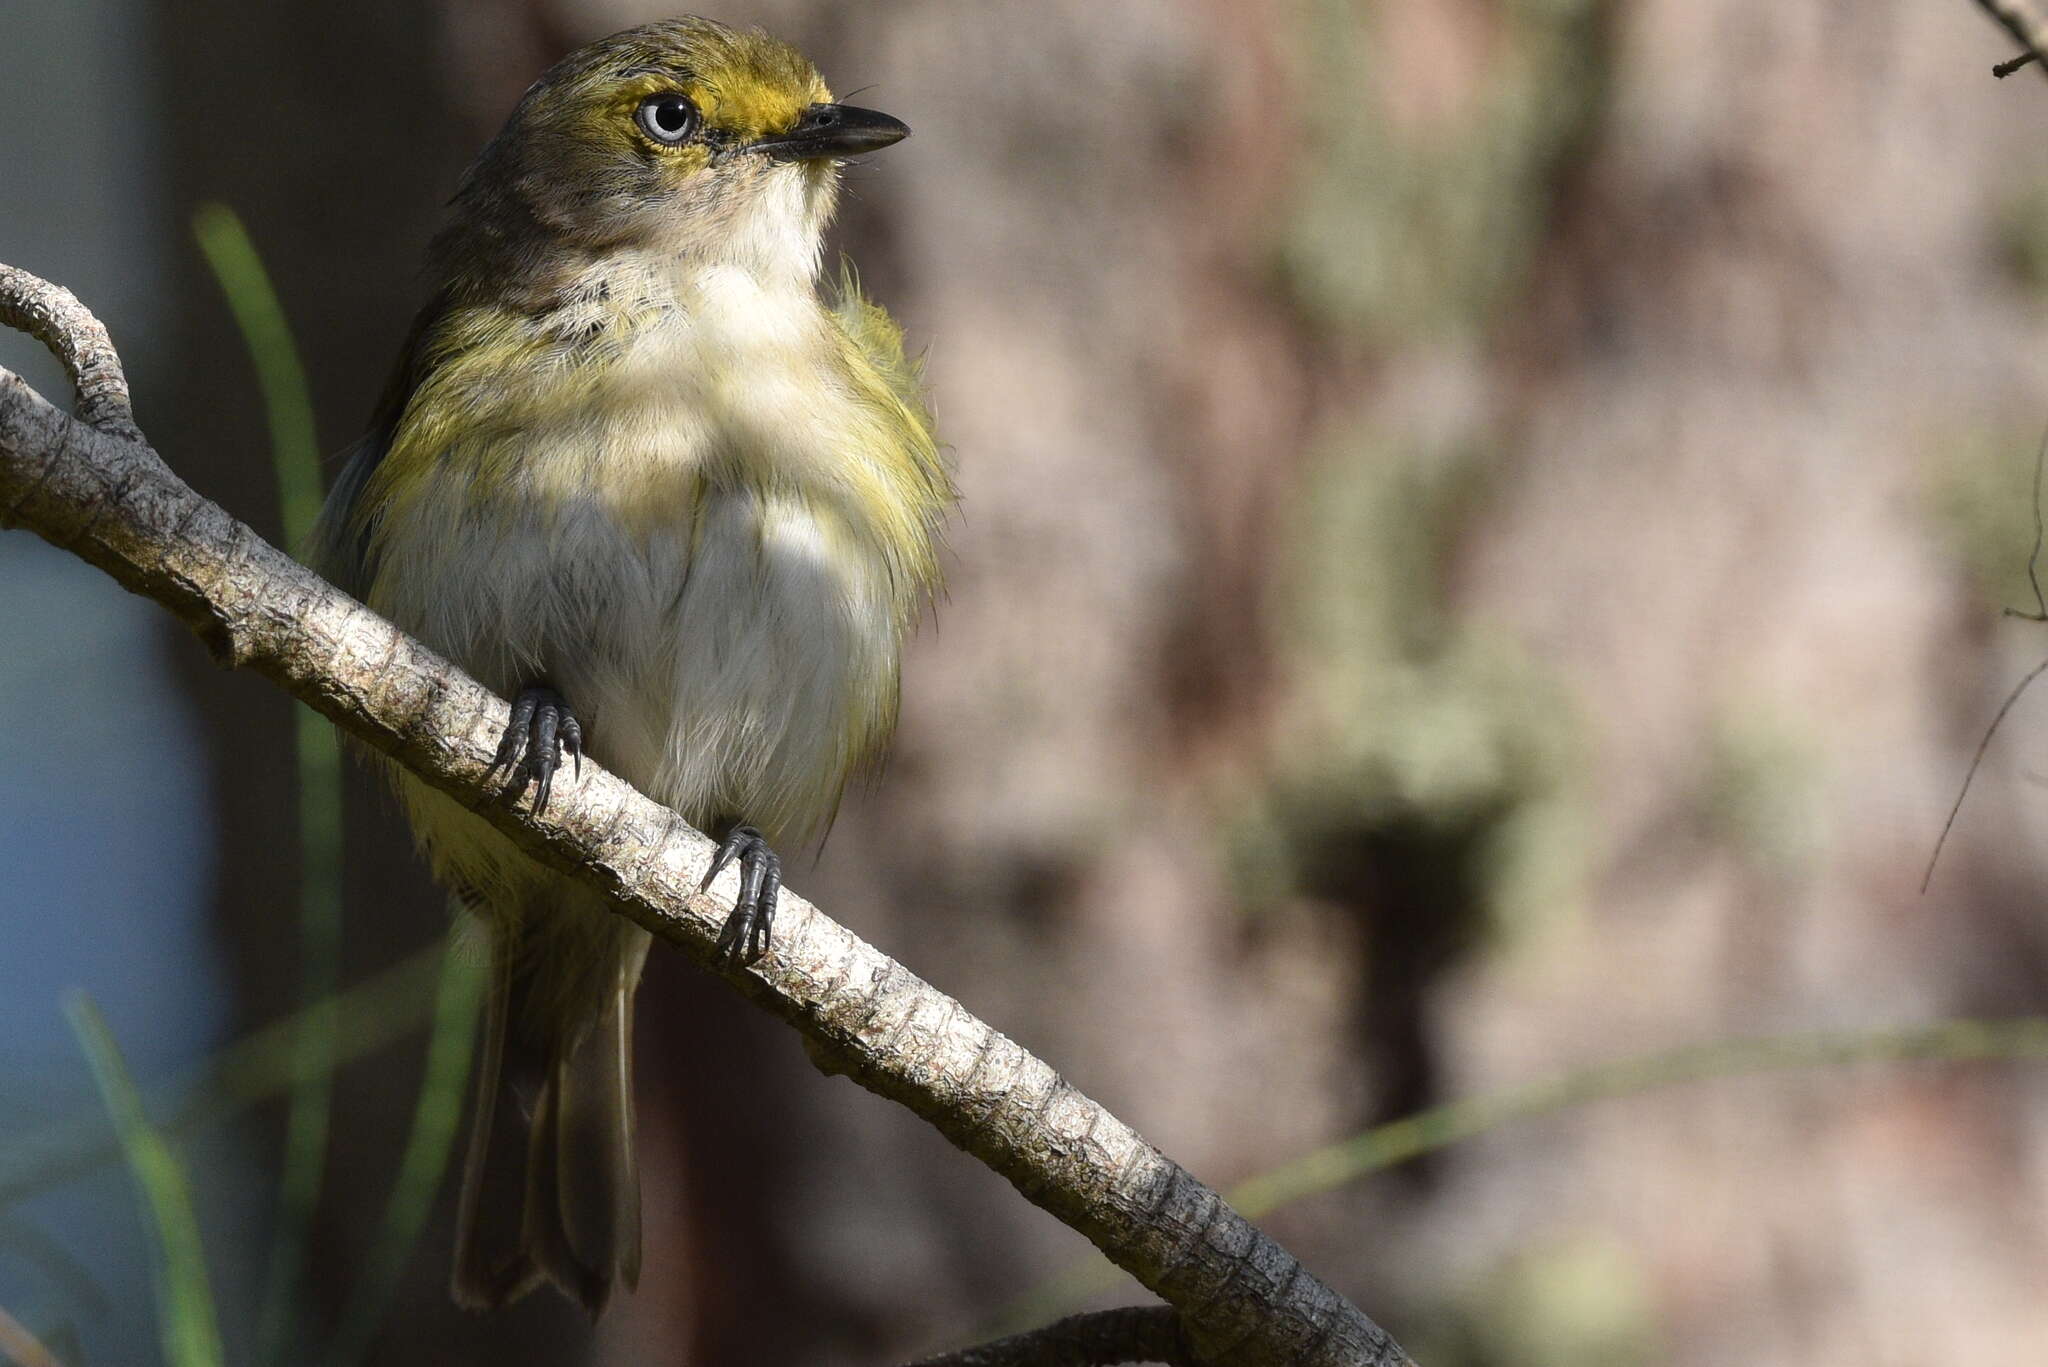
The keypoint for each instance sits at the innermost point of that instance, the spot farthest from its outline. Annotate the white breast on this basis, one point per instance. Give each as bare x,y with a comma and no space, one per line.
675,556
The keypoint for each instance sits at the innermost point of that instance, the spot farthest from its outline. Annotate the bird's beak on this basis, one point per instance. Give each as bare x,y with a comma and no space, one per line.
833,130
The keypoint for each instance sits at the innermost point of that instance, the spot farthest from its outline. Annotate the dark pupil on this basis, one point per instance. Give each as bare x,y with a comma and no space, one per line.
670,116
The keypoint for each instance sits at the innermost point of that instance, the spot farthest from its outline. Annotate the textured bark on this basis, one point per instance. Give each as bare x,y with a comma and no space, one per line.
54,317
105,495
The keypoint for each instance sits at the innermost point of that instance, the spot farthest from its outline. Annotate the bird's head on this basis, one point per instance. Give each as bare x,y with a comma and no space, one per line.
681,135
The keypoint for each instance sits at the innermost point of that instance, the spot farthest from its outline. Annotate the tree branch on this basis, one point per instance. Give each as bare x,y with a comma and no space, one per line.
2026,25
94,486
53,316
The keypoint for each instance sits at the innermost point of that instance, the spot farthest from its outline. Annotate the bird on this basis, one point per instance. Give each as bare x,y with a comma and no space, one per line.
650,471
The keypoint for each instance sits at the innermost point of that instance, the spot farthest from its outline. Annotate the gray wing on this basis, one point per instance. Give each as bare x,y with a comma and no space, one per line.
339,547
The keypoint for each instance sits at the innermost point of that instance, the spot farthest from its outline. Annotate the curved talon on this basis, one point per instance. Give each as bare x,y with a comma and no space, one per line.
572,739
540,729
513,743
546,746
748,929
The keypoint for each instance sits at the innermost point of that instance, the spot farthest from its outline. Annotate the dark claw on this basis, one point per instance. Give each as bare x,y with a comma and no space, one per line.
540,728
513,743
546,750
572,737
747,930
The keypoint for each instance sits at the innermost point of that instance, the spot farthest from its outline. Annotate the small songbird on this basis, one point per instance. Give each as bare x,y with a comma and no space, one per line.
638,471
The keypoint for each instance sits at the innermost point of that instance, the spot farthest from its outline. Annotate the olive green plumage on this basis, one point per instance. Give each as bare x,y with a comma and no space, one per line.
632,452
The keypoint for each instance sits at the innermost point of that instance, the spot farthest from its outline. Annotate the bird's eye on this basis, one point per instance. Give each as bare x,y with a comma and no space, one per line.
669,118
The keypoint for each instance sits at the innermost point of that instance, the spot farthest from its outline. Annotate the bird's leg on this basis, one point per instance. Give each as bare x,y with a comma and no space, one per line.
745,937
541,728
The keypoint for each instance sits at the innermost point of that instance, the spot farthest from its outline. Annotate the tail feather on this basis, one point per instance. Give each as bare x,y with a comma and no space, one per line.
491,1191
596,1181
550,1188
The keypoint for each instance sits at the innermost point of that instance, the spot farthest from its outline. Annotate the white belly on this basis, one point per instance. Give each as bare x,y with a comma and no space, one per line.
740,666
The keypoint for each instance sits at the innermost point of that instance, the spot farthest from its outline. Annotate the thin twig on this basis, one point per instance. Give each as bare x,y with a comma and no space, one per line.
2039,614
1969,775
1243,1299
2024,23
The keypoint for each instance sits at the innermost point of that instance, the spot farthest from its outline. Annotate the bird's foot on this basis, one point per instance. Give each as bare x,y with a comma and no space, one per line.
541,728
745,937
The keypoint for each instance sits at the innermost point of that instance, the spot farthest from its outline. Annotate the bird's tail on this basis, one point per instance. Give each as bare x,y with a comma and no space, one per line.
550,1187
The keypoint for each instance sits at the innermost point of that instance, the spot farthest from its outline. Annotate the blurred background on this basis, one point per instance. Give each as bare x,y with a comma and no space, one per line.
1485,525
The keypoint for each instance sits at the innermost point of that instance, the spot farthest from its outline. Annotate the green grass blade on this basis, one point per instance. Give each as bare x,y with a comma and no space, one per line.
372,1016
184,1297
436,1118
287,398
1383,1146
295,452
1398,1141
